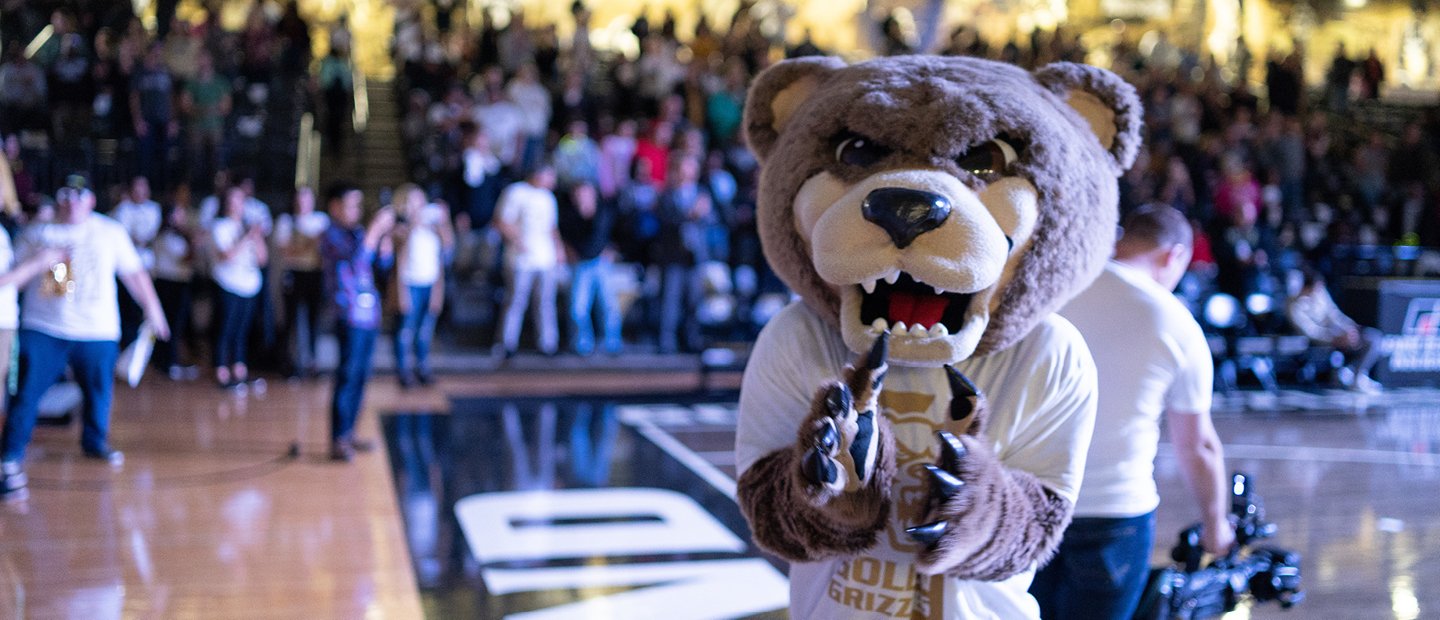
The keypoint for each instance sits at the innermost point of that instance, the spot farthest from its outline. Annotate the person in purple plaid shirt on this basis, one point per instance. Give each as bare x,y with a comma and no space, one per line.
349,254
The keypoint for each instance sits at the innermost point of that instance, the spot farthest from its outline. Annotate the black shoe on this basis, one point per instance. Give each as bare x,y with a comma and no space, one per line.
341,450
110,455
12,480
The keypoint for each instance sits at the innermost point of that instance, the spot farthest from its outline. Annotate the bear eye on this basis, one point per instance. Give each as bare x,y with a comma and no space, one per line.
989,160
859,151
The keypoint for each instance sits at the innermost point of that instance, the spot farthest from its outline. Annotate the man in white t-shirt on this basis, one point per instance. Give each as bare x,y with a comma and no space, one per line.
140,216
71,318
1152,359
528,220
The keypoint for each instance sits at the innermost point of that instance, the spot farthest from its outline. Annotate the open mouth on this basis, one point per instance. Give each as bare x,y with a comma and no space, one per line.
902,305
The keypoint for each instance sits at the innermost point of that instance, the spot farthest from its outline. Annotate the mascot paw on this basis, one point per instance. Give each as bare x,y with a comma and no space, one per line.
961,484
841,440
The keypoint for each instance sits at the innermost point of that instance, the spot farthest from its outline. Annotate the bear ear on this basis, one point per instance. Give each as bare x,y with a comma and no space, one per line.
1107,102
775,95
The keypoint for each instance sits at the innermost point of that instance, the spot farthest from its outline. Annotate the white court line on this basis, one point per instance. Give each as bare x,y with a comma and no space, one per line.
1327,455
687,457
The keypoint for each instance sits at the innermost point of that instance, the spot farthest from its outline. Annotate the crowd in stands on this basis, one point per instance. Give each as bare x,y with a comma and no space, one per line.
611,197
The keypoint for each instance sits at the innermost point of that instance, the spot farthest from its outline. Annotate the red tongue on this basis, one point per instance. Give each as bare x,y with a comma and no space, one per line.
923,310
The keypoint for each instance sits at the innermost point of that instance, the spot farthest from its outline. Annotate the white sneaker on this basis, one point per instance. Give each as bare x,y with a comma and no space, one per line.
1366,385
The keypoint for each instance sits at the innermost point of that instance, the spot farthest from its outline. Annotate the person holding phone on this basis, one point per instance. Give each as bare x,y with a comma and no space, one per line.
239,252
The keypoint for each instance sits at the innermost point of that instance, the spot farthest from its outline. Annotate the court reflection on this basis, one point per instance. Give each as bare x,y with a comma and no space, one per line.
540,508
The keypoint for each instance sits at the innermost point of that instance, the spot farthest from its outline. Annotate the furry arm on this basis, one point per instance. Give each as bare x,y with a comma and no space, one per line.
1000,522
829,492
794,520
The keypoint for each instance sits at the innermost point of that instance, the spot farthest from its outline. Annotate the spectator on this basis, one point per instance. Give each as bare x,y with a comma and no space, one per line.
349,253
175,248
685,212
206,103
71,91
577,157
617,153
338,91
24,94
502,120
70,318
239,253
297,236
527,218
153,110
424,242
533,101
1315,315
586,224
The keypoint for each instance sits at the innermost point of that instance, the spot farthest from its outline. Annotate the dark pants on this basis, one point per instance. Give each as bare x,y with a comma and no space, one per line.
235,314
356,347
1100,571
43,359
175,299
304,292
679,292
415,331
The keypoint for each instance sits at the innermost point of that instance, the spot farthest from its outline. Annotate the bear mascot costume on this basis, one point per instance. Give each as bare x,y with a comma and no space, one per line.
912,436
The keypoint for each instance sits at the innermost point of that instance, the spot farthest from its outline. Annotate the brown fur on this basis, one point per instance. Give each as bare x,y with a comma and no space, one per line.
802,522
1002,522
931,108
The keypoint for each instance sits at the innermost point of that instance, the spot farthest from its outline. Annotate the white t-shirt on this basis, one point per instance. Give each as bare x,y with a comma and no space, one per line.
304,233
423,262
142,221
173,257
100,250
1152,357
1041,394
241,274
503,122
533,211
534,103
9,296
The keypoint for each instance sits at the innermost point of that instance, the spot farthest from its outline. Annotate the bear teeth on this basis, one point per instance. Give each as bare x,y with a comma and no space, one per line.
869,286
917,330
892,277
880,326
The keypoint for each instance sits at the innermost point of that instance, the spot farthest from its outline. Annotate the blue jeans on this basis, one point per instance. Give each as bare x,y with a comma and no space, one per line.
1100,571
235,313
589,283
43,359
357,345
416,330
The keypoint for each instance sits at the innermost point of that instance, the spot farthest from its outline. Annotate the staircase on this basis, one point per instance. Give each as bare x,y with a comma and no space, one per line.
375,159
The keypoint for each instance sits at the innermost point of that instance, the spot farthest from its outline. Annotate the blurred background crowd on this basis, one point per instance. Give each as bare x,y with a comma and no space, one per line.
606,201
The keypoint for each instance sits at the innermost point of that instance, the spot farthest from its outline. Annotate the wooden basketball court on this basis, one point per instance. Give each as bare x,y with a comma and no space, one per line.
214,516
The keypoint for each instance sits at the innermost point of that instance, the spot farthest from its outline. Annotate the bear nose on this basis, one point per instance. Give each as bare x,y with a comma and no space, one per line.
905,213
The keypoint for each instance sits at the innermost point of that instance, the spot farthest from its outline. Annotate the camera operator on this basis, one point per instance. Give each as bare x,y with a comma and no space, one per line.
1152,358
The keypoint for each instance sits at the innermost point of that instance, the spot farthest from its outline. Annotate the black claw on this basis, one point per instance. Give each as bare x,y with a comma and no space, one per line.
943,485
963,394
879,352
838,400
951,451
819,469
928,534
860,446
827,437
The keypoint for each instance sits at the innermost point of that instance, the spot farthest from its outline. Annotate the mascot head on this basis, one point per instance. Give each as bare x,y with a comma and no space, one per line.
953,202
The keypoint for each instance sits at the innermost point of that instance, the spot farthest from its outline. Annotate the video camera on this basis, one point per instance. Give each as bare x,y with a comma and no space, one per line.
1187,591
